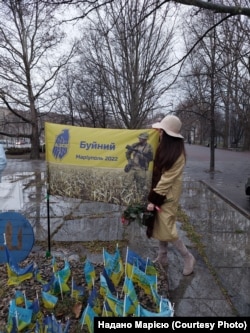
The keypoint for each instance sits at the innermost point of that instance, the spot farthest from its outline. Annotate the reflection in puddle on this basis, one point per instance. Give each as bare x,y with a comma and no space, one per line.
225,235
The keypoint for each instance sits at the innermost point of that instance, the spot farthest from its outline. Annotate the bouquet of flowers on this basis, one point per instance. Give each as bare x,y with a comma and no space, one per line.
137,213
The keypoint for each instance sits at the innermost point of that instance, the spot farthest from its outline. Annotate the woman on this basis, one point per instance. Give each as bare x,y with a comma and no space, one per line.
166,189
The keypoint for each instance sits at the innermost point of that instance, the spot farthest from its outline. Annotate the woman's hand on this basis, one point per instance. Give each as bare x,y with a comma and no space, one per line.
150,206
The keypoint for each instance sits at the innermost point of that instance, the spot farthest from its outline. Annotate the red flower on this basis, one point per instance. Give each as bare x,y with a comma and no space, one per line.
124,221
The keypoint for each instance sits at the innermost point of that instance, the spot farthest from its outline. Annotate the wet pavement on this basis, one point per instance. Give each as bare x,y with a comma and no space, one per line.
232,169
218,210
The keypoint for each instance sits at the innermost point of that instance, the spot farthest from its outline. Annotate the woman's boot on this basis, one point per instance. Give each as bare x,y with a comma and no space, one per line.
162,253
189,260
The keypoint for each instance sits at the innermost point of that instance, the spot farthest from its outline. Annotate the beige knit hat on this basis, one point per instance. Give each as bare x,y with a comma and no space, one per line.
171,125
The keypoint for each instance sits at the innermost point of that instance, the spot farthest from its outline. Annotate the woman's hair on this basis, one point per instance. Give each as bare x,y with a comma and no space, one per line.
168,151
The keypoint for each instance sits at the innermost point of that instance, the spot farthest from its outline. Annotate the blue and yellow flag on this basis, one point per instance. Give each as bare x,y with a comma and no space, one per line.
65,272
94,301
87,318
21,315
106,310
37,314
166,307
162,304
51,325
77,292
146,282
19,297
130,295
48,287
47,324
56,324
61,278
19,271
113,265
39,327
11,326
156,297
106,285
129,307
115,304
15,279
35,306
37,275
16,274
129,289
142,312
59,286
133,259
49,300
89,273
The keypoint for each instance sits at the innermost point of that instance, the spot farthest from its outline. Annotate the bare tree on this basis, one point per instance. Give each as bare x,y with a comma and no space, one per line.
83,97
29,65
231,8
125,60
241,8
234,77
218,75
203,69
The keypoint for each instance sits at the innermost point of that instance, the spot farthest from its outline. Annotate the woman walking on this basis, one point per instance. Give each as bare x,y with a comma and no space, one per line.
166,189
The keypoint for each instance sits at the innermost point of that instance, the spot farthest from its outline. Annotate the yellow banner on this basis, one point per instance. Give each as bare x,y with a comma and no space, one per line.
100,164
